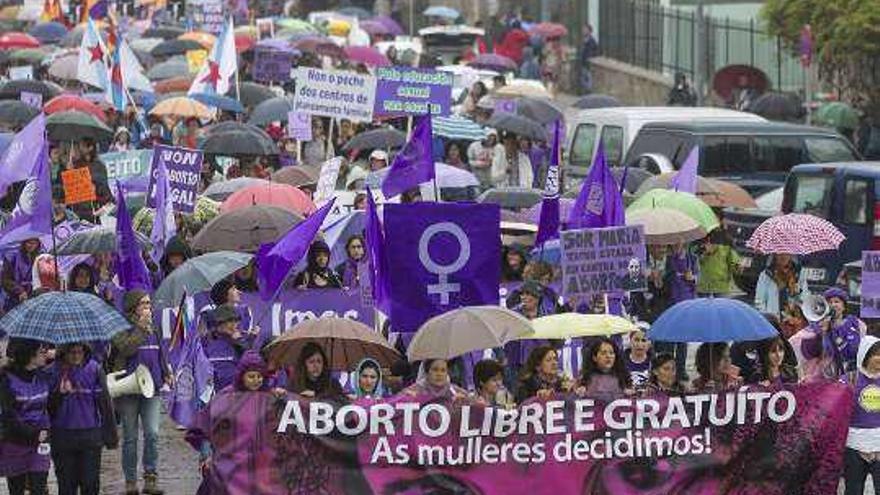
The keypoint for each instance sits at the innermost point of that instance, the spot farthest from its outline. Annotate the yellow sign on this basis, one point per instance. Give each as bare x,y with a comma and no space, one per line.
195,59
869,398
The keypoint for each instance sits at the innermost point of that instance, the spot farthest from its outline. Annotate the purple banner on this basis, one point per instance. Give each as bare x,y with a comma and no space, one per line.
408,91
271,66
870,284
603,261
184,167
442,256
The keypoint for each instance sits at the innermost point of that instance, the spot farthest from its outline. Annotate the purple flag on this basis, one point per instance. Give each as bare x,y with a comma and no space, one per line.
600,203
22,156
415,162
445,257
164,225
32,215
274,262
193,383
130,265
685,180
548,225
378,261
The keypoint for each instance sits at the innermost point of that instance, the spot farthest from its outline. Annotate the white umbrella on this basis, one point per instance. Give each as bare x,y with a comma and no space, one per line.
465,330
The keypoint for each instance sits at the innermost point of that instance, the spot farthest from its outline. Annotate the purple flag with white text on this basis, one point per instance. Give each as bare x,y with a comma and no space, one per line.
130,265
446,255
415,162
600,202
548,225
685,180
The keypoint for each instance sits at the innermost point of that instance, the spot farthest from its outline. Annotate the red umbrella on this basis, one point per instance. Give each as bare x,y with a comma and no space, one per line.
244,42
64,103
367,55
493,61
18,40
548,30
795,233
281,195
733,77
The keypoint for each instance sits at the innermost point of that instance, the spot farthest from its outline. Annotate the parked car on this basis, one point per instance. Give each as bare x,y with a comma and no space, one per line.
446,43
846,194
754,155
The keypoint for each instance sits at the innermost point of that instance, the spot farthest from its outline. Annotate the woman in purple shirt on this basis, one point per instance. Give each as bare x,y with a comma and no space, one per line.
17,276
604,376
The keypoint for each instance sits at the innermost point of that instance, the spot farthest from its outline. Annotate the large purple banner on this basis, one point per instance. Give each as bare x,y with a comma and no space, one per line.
441,256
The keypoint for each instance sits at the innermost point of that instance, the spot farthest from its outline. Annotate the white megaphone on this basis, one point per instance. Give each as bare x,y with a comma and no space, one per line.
138,383
815,308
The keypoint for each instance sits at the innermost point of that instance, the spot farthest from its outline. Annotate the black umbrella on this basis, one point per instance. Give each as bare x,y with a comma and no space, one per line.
596,101
173,67
170,48
73,126
252,94
634,177
12,90
270,111
777,106
538,109
519,125
164,32
512,198
234,143
15,114
377,138
233,126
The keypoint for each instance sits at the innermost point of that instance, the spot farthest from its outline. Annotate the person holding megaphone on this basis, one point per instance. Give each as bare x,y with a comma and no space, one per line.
138,354
836,337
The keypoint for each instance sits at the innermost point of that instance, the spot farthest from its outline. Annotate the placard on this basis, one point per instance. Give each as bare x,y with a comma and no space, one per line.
78,186
208,15
195,59
21,72
327,179
870,284
266,27
409,91
299,126
337,94
271,65
184,168
603,261
33,100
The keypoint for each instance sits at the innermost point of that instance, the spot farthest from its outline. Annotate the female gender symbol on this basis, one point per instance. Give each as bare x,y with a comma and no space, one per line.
443,287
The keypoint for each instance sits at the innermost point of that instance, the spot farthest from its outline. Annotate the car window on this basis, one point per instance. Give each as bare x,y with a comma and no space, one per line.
612,140
855,208
778,153
582,144
658,141
828,149
812,194
724,155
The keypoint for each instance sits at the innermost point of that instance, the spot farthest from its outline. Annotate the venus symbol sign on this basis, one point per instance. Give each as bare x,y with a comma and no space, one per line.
444,287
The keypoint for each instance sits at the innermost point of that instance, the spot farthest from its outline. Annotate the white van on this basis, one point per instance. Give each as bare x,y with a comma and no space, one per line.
618,127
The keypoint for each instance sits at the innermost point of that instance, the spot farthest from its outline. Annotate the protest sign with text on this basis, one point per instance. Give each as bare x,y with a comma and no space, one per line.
184,168
78,186
870,298
337,94
271,66
603,261
409,91
299,126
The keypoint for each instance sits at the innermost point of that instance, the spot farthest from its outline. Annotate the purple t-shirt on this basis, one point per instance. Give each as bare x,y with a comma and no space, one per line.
78,409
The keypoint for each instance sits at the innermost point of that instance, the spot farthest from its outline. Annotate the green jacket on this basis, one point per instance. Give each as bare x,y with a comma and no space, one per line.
717,270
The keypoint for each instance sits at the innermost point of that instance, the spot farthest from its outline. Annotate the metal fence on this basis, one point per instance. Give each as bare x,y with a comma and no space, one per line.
646,34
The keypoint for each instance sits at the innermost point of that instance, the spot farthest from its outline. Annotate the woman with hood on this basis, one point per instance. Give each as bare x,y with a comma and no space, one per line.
18,268
862,454
311,377
349,271
176,254
121,140
514,263
366,381
318,274
434,382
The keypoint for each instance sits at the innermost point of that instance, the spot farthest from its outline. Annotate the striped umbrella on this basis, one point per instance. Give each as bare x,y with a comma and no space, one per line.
456,127
63,318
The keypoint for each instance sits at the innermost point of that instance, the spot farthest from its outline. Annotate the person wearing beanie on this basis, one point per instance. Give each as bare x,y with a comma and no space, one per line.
226,292
251,373
225,344
140,345
836,338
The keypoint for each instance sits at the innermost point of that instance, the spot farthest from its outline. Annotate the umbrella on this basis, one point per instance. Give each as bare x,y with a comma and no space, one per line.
565,206
96,240
252,94
375,28
442,11
10,41
32,56
239,142
64,68
538,109
727,194
777,106
295,25
197,275
48,32
218,101
182,106
704,185
366,55
245,229
633,177
346,342
68,102
393,27
523,87
15,114
377,138
11,90
223,189
164,32
493,61
173,67
456,127
359,12
519,125
173,85
144,44
795,233
711,320
684,202
572,325
464,330
320,46
596,101
272,110
666,226
296,176
512,198
244,42
280,195
447,176
170,48
207,40
548,30
733,77
63,318
74,125
837,114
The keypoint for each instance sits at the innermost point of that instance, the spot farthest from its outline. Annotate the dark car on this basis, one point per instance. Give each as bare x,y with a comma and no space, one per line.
754,155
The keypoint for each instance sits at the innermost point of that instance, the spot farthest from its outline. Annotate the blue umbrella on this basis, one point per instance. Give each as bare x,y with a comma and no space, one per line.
219,101
48,32
711,320
64,318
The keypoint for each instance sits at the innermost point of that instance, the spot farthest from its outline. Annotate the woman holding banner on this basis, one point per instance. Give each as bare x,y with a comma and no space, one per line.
434,382
312,376
604,375
350,269
663,380
540,376
716,371
862,455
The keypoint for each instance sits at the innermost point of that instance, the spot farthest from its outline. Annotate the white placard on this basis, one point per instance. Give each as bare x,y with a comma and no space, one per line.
337,94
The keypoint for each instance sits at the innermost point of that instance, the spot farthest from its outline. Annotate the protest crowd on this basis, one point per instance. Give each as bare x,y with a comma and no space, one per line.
216,214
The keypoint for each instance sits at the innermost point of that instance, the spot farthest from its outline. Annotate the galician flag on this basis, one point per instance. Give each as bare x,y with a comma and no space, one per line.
91,67
214,77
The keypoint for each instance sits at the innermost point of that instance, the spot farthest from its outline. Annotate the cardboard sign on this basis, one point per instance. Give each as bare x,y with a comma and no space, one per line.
195,59
33,100
337,94
78,186
408,91
21,72
271,66
870,284
184,168
299,126
598,261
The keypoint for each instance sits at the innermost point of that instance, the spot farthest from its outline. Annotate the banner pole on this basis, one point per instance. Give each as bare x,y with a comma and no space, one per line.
329,140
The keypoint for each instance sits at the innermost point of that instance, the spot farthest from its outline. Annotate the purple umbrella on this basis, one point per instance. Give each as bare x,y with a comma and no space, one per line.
375,28
390,24
278,45
367,55
493,61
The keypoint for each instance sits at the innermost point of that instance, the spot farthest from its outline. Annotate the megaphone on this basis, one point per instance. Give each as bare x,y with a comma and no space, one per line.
815,308
138,383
